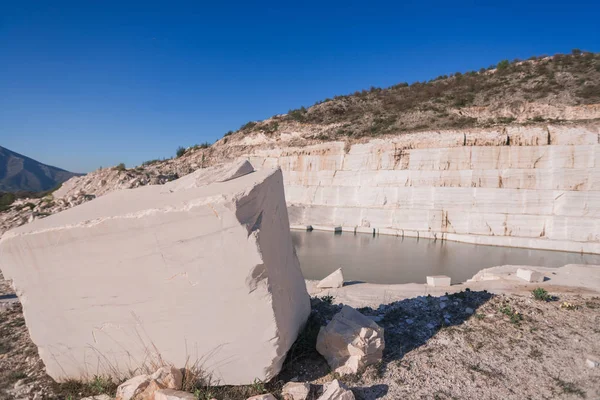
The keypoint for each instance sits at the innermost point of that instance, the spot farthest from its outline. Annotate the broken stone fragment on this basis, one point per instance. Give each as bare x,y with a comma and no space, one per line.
98,397
236,170
591,363
530,276
295,391
127,389
350,341
142,387
333,280
191,244
169,377
335,390
438,280
216,174
147,393
267,396
170,394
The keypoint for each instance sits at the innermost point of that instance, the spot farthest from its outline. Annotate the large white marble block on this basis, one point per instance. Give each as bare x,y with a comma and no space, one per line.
173,274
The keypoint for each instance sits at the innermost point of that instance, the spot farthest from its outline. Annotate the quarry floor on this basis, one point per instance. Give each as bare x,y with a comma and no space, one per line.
462,345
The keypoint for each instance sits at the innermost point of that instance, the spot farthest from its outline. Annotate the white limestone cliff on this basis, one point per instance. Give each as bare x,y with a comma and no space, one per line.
163,274
534,187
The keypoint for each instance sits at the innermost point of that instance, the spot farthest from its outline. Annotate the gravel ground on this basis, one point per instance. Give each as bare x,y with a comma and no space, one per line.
474,345
490,347
468,345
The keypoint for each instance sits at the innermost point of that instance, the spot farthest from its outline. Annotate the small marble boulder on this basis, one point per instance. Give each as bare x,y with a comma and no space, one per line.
333,280
438,280
530,276
350,341
295,391
335,390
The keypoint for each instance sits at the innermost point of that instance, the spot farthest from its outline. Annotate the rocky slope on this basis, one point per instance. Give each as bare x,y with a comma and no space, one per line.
562,92
20,173
562,87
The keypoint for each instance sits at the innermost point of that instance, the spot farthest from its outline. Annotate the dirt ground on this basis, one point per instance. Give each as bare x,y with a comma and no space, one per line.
511,347
467,345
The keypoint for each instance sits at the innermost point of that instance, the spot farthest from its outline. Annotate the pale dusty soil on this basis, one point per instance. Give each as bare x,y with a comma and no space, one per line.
19,361
432,352
486,356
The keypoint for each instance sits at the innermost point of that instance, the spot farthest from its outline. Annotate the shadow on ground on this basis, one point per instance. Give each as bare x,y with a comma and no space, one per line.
408,324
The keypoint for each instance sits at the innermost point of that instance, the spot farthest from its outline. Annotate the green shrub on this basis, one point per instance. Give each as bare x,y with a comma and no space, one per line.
6,199
180,151
297,114
248,126
150,162
503,65
75,389
328,299
537,118
120,167
515,317
271,127
591,93
541,294
505,120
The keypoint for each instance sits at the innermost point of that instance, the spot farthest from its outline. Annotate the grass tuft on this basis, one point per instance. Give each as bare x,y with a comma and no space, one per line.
569,388
541,294
515,316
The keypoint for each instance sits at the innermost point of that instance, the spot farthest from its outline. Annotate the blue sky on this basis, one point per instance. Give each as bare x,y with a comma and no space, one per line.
93,83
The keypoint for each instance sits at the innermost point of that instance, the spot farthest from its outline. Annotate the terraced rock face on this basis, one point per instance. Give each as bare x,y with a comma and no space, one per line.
535,187
532,186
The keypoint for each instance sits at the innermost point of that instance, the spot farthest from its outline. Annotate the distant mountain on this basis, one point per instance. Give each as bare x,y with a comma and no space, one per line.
20,173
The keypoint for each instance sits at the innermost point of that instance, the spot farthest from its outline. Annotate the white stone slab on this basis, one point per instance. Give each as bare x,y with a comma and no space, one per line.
163,271
529,275
438,281
572,136
333,280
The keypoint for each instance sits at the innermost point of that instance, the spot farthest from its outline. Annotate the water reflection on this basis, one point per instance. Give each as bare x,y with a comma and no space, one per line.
390,259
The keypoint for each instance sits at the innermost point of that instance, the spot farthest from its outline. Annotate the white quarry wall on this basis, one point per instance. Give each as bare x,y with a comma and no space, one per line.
176,273
536,187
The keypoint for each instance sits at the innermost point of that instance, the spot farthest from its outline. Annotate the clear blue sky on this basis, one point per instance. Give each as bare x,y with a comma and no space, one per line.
85,84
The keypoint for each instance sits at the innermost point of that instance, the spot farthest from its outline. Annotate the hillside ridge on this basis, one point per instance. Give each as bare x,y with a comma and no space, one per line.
19,173
540,89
